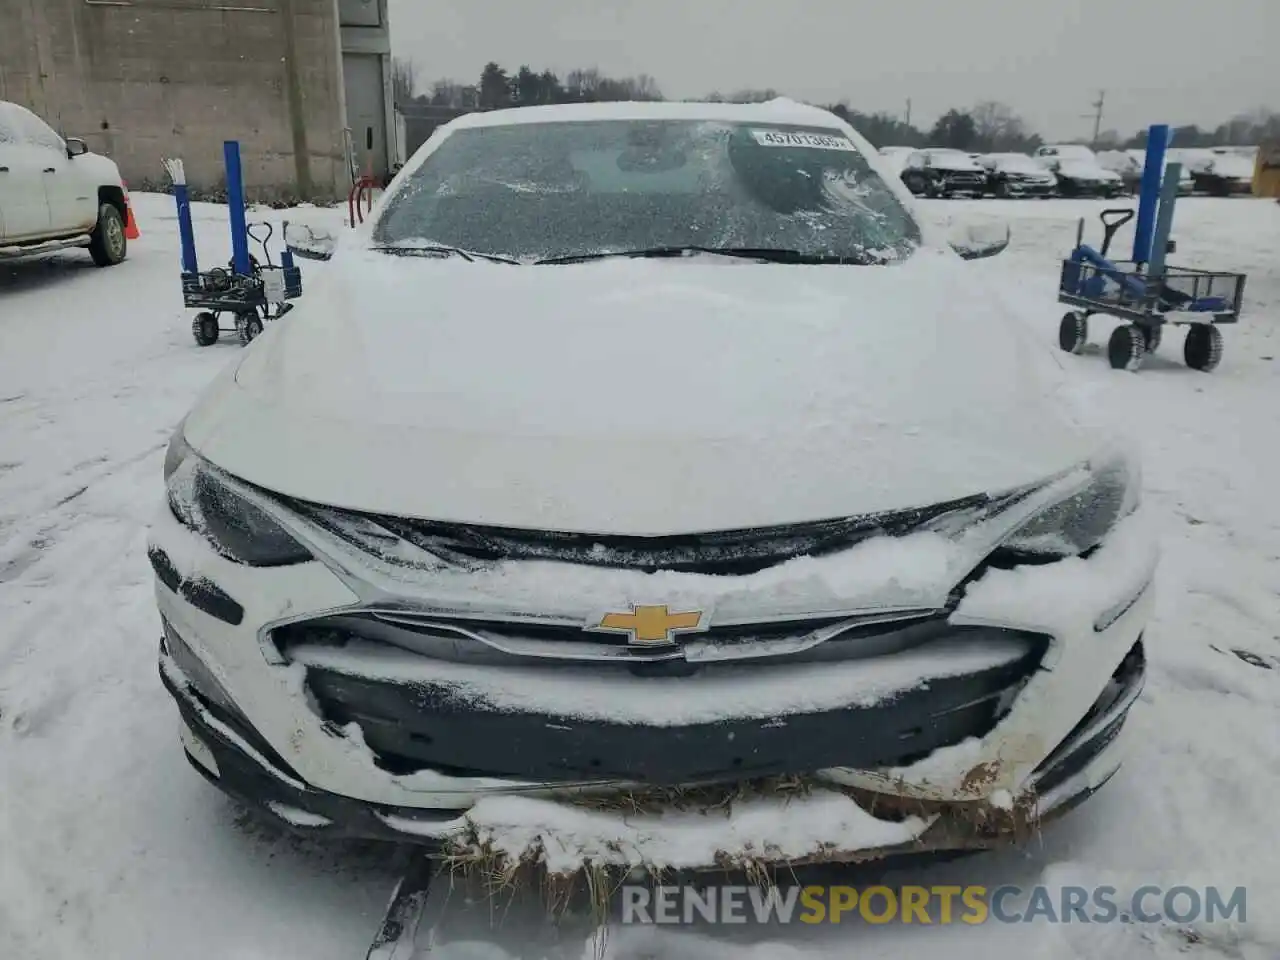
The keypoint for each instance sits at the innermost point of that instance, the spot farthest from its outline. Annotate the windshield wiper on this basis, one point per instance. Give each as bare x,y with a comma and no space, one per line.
437,249
767,254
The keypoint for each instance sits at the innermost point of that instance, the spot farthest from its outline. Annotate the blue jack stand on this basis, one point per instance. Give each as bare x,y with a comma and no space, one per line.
251,292
1145,291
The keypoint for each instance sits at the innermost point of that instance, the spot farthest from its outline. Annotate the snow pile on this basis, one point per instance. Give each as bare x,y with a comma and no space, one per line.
1064,597
565,839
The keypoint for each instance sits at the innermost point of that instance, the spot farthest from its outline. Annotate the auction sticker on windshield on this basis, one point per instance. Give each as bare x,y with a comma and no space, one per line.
789,138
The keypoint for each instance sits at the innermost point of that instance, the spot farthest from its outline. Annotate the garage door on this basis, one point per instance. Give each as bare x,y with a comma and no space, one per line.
366,110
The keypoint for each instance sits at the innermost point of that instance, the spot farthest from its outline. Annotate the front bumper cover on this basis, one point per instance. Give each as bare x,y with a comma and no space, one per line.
1050,743
230,755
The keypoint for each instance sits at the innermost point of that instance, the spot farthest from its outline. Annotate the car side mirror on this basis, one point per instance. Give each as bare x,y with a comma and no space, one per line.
76,147
976,241
310,243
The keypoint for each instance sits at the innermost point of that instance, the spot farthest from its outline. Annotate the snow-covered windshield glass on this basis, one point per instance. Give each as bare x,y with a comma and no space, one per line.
541,191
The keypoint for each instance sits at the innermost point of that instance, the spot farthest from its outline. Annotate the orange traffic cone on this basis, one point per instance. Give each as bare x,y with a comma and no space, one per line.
131,230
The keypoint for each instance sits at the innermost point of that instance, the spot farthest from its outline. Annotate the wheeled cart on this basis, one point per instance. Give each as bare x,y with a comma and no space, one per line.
1127,290
246,289
251,299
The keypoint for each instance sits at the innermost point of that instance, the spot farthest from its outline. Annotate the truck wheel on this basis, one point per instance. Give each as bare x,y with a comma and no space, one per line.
1202,349
1126,348
108,244
204,328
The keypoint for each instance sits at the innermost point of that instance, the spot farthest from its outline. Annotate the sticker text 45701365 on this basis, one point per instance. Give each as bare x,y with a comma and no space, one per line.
791,138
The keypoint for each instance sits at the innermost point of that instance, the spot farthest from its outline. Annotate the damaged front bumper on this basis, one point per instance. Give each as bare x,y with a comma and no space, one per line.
999,713
616,824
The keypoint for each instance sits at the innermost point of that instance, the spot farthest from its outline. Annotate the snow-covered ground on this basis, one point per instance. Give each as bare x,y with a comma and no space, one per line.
112,847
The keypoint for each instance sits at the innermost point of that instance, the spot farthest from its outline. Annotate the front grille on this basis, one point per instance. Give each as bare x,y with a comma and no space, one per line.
415,718
528,641
729,552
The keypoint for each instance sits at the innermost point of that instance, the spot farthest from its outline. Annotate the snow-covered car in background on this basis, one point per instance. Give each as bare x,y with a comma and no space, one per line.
628,482
56,194
896,157
1078,171
1131,163
943,173
1221,172
1124,163
1017,175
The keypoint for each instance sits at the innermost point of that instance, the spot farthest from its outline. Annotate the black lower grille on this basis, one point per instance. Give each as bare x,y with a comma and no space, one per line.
413,725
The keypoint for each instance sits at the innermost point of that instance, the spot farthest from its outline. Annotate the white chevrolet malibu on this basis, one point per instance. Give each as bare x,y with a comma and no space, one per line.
650,450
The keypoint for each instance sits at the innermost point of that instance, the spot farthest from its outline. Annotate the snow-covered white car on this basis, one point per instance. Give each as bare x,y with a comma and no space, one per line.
55,193
1222,172
1131,163
940,172
1017,175
639,451
1078,171
896,157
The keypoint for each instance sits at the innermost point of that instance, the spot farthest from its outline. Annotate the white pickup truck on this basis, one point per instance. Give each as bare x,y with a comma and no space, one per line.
55,194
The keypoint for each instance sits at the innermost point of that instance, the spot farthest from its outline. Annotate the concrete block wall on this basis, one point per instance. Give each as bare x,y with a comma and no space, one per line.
144,80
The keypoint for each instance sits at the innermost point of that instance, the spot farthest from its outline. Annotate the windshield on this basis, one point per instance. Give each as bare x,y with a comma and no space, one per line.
542,191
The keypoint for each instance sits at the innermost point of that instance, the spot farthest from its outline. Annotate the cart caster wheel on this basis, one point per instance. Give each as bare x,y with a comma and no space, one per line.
1203,347
1153,337
1126,348
1073,332
204,328
248,326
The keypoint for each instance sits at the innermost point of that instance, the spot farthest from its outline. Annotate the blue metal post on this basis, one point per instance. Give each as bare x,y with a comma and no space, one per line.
1149,196
1164,221
185,232
235,200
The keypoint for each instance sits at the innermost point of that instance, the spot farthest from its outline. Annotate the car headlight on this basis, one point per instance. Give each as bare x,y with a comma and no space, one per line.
204,499
1082,520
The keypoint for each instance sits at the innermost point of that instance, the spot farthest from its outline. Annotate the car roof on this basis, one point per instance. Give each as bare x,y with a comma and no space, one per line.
779,110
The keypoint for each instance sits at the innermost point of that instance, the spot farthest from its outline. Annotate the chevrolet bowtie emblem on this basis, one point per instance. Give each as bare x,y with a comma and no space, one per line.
650,626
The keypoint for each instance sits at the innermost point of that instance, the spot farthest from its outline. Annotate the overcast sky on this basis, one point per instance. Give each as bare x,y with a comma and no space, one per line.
1175,61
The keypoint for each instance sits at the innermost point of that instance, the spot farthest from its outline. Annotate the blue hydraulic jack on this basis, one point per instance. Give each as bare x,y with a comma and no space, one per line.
252,292
1145,291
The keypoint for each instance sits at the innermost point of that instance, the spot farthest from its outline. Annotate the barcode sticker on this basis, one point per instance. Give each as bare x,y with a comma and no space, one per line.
814,141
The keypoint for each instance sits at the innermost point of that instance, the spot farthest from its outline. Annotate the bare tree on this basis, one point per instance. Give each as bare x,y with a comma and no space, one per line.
404,80
746,95
998,129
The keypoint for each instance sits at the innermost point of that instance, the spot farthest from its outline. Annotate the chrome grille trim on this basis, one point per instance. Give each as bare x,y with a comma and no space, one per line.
493,640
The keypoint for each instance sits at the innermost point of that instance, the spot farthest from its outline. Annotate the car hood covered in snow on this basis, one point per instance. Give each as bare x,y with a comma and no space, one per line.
638,396
955,162
1230,166
1085,170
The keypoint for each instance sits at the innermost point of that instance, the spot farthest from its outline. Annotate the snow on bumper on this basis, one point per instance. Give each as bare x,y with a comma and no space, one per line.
272,746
